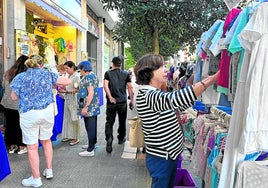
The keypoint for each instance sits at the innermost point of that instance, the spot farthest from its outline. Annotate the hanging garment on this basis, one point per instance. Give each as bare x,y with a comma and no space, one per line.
251,174
255,133
241,133
225,57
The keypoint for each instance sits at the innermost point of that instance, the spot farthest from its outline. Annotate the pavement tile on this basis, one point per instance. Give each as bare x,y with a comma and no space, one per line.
123,168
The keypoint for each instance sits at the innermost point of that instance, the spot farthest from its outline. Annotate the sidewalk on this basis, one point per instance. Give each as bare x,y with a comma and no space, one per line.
72,171
123,168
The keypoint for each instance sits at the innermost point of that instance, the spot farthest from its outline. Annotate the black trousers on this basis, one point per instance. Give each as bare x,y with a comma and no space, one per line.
111,111
13,134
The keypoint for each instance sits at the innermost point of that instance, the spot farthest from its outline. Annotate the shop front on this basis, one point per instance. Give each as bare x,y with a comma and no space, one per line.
50,31
53,30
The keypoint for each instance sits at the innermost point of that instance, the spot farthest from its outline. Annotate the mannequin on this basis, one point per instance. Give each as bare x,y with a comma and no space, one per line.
34,50
50,56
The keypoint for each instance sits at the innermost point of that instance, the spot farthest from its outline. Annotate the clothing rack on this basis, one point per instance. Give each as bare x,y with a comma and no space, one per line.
225,117
191,112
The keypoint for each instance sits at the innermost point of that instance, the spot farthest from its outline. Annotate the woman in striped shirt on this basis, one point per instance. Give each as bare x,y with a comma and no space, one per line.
162,133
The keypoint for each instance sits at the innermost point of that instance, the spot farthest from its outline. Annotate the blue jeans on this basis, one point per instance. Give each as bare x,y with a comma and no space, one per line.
162,171
91,128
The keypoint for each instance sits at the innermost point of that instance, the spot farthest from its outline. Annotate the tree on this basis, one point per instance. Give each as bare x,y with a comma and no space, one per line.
163,25
130,62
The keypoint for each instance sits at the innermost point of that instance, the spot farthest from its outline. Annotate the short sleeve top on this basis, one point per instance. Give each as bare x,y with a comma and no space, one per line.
34,89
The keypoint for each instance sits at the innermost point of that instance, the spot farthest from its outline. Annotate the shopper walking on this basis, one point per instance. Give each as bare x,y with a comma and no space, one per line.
33,89
116,82
89,105
13,135
71,122
162,133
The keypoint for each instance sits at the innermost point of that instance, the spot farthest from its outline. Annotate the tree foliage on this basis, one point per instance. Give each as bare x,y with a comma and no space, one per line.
130,62
164,26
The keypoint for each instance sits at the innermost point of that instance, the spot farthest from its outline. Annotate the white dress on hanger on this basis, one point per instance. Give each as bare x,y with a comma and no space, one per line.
247,132
50,57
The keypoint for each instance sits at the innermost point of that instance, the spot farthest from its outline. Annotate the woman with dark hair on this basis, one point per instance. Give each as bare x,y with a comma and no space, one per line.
71,122
13,135
162,133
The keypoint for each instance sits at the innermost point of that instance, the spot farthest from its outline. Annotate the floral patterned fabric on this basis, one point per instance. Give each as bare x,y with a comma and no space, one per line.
34,89
94,107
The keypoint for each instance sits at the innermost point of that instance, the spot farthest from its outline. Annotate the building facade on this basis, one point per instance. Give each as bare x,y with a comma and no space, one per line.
79,30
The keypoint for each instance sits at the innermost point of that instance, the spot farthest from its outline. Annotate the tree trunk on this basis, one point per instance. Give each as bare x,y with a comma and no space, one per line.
155,42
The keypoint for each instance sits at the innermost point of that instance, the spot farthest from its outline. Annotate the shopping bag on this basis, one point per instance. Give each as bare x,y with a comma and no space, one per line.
4,163
136,137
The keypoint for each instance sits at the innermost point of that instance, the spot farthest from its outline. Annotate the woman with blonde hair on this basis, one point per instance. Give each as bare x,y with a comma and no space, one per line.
33,89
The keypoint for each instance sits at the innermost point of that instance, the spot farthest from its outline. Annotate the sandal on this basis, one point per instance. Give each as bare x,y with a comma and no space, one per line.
74,142
66,139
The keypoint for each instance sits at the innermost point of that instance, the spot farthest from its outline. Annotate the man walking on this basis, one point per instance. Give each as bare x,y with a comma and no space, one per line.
116,81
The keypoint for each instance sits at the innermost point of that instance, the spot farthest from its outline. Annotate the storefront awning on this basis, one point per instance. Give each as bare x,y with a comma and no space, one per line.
60,13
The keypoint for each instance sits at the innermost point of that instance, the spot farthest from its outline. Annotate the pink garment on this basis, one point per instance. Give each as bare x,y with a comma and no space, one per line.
223,80
229,19
203,54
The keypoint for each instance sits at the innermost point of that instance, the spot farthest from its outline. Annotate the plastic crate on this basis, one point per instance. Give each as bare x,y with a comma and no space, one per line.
183,179
180,162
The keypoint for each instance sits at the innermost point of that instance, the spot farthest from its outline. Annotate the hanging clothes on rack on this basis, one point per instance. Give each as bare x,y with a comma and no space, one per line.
252,174
225,57
207,128
248,121
210,62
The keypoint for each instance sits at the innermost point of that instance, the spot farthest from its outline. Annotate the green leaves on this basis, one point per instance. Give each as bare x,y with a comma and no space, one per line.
178,22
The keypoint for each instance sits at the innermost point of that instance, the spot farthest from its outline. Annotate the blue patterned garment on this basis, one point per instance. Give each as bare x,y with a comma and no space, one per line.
34,89
94,107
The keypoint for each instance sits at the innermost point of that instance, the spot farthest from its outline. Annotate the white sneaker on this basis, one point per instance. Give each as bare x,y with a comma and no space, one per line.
87,153
48,173
31,182
22,151
85,146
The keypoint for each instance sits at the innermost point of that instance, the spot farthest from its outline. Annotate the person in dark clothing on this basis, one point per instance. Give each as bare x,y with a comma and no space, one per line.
116,82
13,134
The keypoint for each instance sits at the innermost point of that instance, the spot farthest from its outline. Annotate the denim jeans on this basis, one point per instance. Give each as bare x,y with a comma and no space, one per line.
91,128
162,171
111,111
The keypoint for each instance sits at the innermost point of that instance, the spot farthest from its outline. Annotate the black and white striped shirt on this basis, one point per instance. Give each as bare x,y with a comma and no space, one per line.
162,134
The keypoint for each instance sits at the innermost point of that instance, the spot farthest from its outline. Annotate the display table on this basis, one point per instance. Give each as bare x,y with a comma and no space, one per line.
4,163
